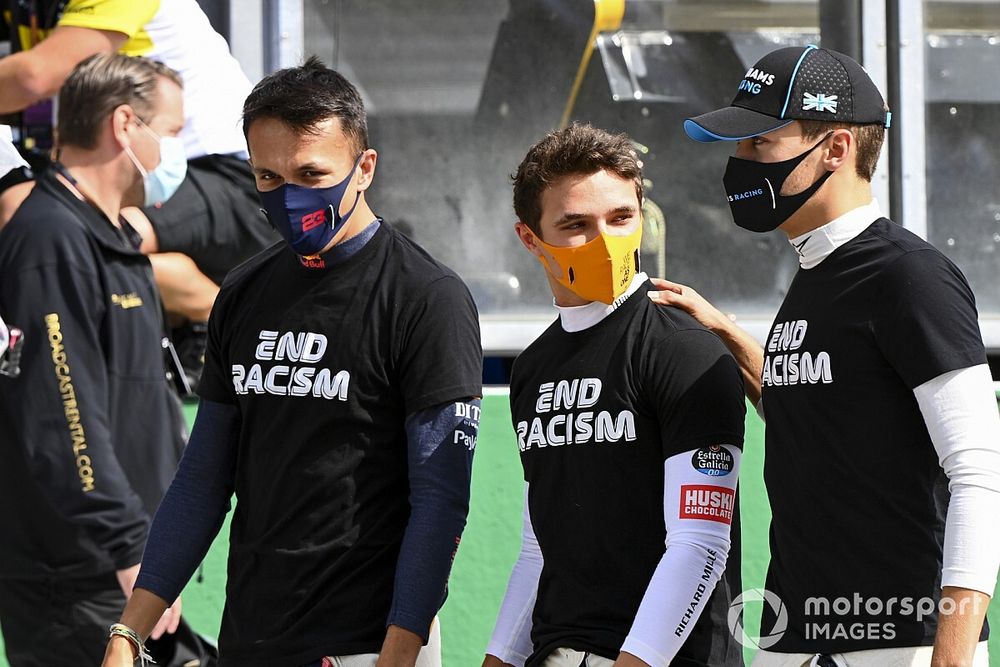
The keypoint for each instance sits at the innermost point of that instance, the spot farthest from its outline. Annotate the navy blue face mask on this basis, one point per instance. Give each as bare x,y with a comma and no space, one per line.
308,218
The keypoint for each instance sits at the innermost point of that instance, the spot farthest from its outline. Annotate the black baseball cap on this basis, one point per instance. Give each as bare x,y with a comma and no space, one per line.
794,83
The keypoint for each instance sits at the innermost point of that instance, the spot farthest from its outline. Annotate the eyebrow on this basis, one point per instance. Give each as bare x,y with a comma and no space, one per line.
571,217
308,166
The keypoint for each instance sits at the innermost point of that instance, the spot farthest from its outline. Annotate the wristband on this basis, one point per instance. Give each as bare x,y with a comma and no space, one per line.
122,630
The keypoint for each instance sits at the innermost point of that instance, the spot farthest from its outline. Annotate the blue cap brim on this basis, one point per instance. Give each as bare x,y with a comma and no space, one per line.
731,124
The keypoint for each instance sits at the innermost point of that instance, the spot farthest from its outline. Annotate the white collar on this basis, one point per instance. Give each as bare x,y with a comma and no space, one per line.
578,318
815,246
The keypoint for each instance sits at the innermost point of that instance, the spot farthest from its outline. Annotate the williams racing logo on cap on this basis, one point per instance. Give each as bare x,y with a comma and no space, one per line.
714,461
754,80
819,102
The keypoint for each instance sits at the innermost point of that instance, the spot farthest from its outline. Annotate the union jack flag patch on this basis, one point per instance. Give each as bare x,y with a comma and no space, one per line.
819,102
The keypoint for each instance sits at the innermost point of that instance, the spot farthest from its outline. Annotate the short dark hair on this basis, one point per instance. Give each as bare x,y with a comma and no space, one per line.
305,96
577,149
99,85
868,138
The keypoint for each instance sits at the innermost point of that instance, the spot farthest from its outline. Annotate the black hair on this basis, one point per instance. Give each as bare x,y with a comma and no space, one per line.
305,96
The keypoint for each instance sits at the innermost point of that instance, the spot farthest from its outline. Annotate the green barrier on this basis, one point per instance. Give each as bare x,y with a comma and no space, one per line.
492,540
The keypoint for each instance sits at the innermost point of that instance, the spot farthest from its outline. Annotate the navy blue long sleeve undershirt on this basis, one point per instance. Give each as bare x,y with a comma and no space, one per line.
440,443
191,513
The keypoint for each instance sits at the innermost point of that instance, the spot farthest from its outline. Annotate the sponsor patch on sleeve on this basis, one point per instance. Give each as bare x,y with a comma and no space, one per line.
714,461
707,502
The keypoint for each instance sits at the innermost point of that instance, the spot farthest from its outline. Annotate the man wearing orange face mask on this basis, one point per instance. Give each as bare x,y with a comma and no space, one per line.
629,420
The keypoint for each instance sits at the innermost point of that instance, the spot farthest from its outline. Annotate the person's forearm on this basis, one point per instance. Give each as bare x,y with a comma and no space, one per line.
143,610
194,507
510,643
184,288
960,622
400,648
141,613
22,86
439,452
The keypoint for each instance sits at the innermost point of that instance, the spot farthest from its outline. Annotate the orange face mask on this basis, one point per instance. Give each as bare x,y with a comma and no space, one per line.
599,270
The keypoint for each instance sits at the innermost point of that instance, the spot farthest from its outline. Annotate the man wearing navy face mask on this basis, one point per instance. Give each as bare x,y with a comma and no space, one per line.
340,403
873,383
91,432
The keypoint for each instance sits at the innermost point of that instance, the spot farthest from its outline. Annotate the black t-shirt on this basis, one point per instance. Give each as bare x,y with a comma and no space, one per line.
324,364
850,468
597,412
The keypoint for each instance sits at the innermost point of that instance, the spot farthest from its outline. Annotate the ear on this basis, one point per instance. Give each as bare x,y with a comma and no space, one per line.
367,169
528,238
841,149
121,117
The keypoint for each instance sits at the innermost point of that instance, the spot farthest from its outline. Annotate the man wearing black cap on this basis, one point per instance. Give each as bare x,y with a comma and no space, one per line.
873,383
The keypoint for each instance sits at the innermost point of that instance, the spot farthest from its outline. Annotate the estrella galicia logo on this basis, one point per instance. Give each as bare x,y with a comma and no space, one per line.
714,461
737,623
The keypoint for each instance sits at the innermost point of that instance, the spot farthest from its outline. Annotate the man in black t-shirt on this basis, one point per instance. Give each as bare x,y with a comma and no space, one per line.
340,403
629,420
873,383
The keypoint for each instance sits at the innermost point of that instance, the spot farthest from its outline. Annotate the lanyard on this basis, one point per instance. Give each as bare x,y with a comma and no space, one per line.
125,231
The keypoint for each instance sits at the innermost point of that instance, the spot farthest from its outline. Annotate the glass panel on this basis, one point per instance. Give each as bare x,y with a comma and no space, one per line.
962,57
457,90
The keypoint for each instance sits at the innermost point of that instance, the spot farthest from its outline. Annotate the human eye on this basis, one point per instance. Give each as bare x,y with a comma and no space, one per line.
267,180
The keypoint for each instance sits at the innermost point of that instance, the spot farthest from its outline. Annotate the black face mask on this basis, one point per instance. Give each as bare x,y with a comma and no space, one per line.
753,187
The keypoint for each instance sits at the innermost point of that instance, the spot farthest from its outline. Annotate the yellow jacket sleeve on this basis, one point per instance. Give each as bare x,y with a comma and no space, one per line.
125,16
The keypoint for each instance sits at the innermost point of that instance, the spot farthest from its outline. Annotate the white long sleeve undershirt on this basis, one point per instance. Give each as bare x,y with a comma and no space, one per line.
960,411
511,640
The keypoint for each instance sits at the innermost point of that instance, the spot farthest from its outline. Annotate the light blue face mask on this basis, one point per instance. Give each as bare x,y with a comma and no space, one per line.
160,184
